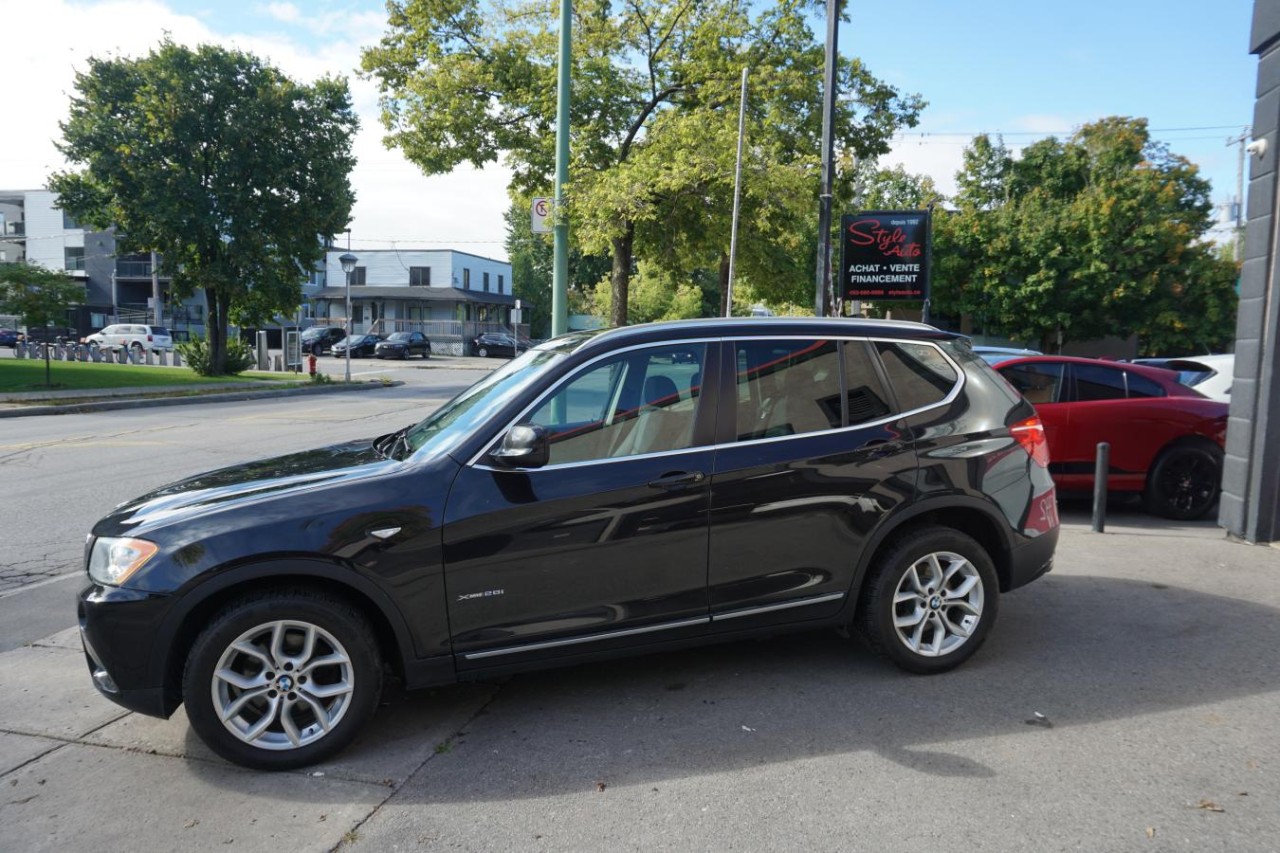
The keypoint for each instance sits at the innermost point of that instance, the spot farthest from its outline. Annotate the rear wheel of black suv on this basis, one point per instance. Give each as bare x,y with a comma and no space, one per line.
282,679
930,600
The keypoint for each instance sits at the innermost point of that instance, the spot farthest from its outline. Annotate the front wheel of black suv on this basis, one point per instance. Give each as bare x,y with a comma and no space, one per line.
282,679
930,600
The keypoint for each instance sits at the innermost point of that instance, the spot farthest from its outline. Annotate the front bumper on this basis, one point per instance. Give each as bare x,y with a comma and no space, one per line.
127,658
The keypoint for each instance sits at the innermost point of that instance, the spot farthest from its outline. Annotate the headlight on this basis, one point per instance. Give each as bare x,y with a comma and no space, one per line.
112,561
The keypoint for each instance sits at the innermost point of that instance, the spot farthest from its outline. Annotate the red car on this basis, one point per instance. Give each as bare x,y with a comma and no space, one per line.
1166,439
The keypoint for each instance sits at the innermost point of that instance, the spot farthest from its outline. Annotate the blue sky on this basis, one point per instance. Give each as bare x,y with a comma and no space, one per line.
1025,69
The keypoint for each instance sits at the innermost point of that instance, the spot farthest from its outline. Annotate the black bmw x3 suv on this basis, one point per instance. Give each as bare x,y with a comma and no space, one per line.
625,491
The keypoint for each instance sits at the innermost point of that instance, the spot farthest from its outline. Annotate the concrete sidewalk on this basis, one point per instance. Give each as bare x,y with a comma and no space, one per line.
1149,653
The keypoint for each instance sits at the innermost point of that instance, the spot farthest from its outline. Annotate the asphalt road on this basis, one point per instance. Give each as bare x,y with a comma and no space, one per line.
1125,702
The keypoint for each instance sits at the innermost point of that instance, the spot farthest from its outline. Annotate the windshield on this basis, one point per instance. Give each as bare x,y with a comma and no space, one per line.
455,420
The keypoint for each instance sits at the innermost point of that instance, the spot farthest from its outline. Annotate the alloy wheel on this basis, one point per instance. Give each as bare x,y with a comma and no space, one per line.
937,604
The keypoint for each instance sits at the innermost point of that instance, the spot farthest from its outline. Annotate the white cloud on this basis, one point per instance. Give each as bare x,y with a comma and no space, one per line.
51,40
286,12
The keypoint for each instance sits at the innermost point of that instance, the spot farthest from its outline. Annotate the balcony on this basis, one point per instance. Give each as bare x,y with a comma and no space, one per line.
133,269
14,229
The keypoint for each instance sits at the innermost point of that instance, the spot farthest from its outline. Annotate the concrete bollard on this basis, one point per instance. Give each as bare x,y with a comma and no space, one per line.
177,359
164,358
277,363
95,354
149,359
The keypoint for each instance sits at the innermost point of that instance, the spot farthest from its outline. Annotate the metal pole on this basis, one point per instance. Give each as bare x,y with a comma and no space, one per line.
157,313
560,265
737,196
1100,468
347,355
828,164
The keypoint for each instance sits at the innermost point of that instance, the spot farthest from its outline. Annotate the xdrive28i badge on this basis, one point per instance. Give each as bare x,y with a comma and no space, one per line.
488,593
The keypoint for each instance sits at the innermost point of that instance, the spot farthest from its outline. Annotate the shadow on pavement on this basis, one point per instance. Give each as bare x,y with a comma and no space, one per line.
1078,649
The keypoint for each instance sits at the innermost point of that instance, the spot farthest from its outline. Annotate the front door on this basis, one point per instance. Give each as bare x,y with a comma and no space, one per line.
606,545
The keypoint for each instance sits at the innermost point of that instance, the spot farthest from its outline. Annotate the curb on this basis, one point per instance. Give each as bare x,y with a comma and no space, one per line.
142,403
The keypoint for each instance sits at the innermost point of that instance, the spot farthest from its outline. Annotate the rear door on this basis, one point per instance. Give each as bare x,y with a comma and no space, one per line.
810,458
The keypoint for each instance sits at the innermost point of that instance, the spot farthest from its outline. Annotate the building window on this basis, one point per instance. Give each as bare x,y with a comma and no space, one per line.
466,279
486,282
419,276
500,283
358,276
74,257
69,222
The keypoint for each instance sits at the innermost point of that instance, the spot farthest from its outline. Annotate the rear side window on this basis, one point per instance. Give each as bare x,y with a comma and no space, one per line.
919,373
866,394
1097,383
1040,382
786,387
160,330
1141,386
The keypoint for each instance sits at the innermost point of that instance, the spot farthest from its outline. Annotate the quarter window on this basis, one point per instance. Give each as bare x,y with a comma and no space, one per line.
1141,386
633,403
919,374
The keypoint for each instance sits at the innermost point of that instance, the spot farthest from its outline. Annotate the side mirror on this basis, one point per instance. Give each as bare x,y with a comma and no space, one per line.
524,446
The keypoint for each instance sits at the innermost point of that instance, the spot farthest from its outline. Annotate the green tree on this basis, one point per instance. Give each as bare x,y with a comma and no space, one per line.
655,97
1077,239
39,296
228,168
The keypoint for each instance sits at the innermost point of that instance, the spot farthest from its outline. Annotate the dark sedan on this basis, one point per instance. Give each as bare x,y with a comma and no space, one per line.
498,344
403,345
1166,439
8,338
357,346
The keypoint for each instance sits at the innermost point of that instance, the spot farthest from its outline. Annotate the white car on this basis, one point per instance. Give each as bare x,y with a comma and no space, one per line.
132,336
1211,375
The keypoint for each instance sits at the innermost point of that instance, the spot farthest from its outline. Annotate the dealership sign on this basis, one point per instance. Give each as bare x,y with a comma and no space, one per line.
884,255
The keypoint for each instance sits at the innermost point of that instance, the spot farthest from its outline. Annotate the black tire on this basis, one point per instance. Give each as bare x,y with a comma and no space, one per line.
483,352
426,353
1183,483
137,348
338,629
943,641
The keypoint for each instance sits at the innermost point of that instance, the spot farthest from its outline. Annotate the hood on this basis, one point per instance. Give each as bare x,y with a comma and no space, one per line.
242,484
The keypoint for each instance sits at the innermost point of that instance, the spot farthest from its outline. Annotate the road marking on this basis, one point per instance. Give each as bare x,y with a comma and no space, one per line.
38,584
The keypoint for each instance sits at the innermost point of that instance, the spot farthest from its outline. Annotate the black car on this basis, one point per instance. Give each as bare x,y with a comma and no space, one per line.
319,339
498,344
357,346
9,338
626,491
403,345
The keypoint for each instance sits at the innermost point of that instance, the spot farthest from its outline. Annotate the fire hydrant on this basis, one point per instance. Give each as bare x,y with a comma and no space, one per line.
311,365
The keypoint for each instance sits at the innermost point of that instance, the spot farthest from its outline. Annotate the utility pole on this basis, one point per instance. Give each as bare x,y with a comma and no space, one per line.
737,197
1240,140
560,260
828,164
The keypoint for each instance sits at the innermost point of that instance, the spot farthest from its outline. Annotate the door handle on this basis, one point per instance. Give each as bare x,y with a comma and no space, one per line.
677,480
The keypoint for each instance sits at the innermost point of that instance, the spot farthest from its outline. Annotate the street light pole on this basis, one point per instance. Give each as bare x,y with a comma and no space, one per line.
348,262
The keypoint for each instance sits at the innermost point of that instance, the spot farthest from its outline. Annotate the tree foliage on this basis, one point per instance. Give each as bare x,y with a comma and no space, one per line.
531,269
224,165
1097,235
654,120
39,296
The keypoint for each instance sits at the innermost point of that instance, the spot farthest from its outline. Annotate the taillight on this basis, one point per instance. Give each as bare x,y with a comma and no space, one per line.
149,338
1030,434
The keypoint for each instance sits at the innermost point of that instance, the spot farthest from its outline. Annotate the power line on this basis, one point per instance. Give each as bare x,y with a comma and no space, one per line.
903,133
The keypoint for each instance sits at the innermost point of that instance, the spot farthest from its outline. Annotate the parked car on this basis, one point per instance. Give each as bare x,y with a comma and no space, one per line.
357,346
320,339
596,496
499,344
1211,375
403,345
9,338
48,335
1166,439
132,336
998,355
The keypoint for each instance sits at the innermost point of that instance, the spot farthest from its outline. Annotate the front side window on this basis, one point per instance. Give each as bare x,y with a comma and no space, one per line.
625,405
786,388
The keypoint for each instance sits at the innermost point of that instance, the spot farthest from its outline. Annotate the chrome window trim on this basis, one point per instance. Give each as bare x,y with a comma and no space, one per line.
574,641
945,401
769,608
